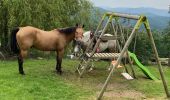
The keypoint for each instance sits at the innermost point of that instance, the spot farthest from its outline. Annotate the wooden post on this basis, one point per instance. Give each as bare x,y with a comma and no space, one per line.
135,17
129,59
120,57
122,38
146,23
98,41
131,65
91,41
103,31
98,27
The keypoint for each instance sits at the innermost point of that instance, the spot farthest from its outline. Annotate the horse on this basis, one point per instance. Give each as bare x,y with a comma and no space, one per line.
23,38
104,46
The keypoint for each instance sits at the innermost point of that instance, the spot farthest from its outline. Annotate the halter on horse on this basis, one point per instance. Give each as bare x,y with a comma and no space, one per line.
23,38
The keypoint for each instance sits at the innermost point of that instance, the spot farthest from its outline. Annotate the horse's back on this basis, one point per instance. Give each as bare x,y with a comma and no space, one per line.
27,31
48,40
43,40
25,36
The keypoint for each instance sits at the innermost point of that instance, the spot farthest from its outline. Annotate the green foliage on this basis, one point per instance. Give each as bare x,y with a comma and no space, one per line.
4,18
47,14
43,14
166,41
142,47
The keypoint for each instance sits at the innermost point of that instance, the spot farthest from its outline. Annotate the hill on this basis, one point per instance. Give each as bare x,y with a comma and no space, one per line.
158,18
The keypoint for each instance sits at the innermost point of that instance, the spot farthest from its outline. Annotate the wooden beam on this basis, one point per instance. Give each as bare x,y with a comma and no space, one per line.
138,24
146,24
135,17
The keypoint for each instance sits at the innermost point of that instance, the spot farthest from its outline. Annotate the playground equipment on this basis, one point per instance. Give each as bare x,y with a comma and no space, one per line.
113,19
142,67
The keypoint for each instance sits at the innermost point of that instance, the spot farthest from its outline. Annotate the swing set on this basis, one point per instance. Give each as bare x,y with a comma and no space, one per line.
114,21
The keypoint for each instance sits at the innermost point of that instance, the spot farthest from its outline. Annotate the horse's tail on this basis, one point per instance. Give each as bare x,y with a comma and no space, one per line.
13,42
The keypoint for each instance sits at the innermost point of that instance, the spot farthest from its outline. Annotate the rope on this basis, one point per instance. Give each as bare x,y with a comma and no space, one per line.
134,47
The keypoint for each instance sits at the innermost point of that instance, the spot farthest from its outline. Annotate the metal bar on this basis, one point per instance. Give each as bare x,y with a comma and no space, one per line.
146,23
135,17
120,57
99,39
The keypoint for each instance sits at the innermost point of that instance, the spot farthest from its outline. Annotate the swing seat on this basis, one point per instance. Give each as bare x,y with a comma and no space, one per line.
127,76
104,55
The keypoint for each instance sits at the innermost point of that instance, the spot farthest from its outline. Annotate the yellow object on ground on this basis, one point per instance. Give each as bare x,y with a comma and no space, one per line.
114,62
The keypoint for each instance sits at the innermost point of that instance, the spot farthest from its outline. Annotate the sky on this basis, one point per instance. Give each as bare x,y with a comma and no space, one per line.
159,4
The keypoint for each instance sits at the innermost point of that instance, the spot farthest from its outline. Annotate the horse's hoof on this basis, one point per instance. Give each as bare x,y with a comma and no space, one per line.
22,73
59,72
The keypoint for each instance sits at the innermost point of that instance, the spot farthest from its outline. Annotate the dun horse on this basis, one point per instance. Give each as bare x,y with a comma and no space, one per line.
23,38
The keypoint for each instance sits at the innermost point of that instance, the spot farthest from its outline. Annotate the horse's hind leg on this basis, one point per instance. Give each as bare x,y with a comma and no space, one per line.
21,60
59,61
20,64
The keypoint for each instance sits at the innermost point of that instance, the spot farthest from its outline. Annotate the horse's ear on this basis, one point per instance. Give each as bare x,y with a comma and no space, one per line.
77,24
83,26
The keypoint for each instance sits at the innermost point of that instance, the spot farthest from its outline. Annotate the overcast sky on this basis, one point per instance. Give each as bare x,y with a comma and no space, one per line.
160,4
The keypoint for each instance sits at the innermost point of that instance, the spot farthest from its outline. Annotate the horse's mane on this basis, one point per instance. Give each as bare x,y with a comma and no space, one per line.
68,30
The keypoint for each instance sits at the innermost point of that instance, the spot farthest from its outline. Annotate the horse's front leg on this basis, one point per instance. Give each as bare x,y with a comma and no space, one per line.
60,54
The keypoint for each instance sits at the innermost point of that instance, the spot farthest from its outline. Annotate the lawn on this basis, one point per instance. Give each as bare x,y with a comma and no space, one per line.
42,83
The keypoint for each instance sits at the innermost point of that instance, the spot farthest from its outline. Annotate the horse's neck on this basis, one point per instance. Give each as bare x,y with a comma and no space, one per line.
70,37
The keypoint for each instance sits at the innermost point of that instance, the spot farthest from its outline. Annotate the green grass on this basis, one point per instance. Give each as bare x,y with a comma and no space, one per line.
42,83
149,87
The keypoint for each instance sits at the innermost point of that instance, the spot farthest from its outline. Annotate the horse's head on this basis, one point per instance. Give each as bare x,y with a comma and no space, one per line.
80,46
79,32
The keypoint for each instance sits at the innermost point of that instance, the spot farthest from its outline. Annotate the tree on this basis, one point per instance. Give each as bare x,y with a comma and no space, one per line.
4,18
44,14
166,40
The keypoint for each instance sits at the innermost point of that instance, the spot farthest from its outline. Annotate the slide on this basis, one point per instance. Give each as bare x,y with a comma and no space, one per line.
142,67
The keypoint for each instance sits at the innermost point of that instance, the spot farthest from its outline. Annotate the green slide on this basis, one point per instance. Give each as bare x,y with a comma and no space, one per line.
142,67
